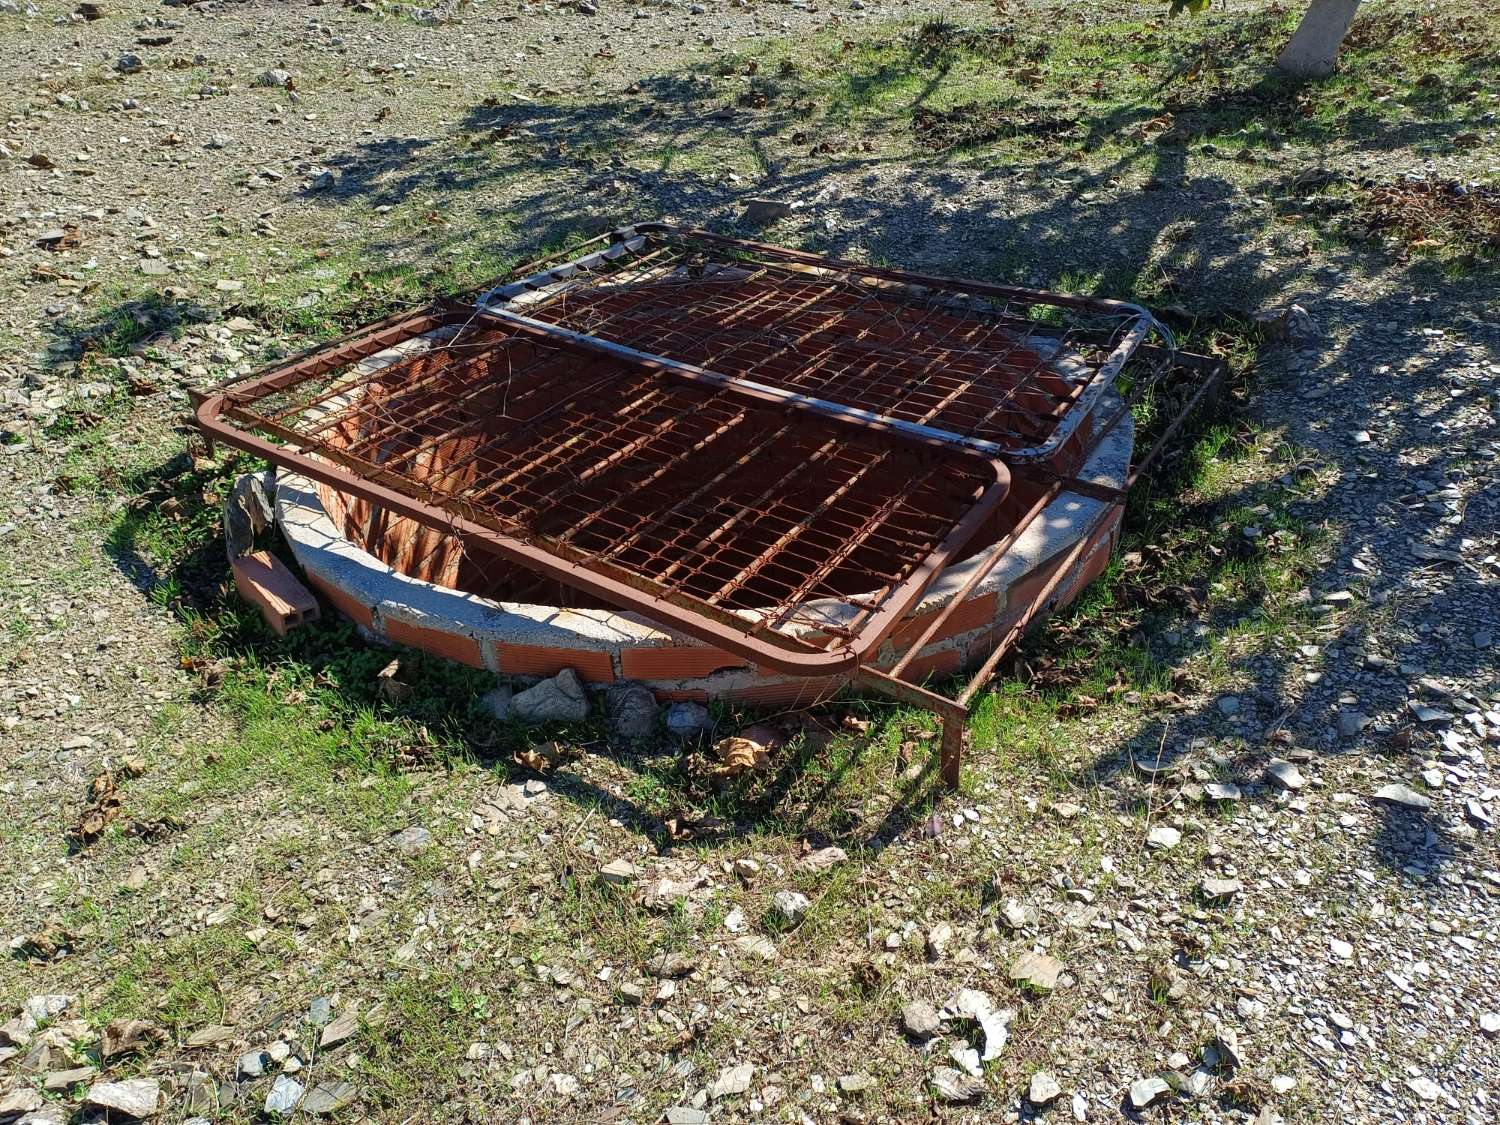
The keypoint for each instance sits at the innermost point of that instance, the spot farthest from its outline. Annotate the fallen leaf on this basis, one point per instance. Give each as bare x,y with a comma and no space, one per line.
391,689
682,829
540,759
123,1037
48,945
104,806
739,755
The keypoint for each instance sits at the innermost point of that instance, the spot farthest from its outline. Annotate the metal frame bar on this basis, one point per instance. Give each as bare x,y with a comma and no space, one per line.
1138,322
954,712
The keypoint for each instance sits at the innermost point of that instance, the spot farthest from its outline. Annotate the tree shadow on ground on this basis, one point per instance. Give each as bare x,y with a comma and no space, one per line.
129,327
1278,713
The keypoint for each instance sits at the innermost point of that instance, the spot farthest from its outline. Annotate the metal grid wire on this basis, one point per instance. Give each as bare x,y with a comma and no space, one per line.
740,508
1009,371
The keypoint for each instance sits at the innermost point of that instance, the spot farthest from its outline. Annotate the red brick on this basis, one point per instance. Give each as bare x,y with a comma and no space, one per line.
350,607
451,646
265,582
1092,566
537,660
976,611
790,691
939,664
679,662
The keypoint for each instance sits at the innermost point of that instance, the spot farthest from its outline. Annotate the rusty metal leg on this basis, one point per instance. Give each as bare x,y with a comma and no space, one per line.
952,714
953,749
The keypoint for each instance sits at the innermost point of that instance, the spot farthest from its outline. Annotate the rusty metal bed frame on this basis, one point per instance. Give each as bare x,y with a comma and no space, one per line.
772,452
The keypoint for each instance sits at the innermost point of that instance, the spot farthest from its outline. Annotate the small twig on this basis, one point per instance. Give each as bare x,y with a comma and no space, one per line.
1150,807
582,824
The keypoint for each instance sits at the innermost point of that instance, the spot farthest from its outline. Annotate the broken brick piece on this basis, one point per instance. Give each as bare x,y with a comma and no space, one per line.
265,582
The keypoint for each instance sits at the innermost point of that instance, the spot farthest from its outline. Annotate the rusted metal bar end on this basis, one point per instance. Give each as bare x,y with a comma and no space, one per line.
197,398
952,714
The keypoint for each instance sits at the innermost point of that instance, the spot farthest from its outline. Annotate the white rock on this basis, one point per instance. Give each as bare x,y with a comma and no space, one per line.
1043,1089
791,906
1163,837
937,941
134,1097
757,945
972,1004
1285,775
920,1019
1144,1091
411,840
967,1058
284,1095
1402,795
1220,889
48,1005
1425,1088
732,1080
18,1102
619,872
563,698
1038,970
823,859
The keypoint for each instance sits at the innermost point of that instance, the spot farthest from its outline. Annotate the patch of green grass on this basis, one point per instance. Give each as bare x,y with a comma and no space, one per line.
414,1049
179,980
1109,88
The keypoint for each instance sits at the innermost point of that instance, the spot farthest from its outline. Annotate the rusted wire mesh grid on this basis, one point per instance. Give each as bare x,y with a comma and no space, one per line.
739,505
1013,370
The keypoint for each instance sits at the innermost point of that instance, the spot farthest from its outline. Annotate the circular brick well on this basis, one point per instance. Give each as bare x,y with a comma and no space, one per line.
410,584
413,585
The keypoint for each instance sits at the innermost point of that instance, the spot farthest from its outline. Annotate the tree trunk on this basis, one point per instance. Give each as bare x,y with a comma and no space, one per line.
1314,46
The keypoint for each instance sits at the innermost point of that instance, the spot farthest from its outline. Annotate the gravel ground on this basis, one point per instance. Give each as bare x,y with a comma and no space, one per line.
1344,965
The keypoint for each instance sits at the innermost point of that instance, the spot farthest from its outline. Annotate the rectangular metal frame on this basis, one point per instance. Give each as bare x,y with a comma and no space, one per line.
230,416
633,256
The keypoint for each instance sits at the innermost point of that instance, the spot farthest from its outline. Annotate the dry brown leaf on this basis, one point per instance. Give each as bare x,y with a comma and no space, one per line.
104,806
543,758
739,755
682,829
391,689
52,942
122,1037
